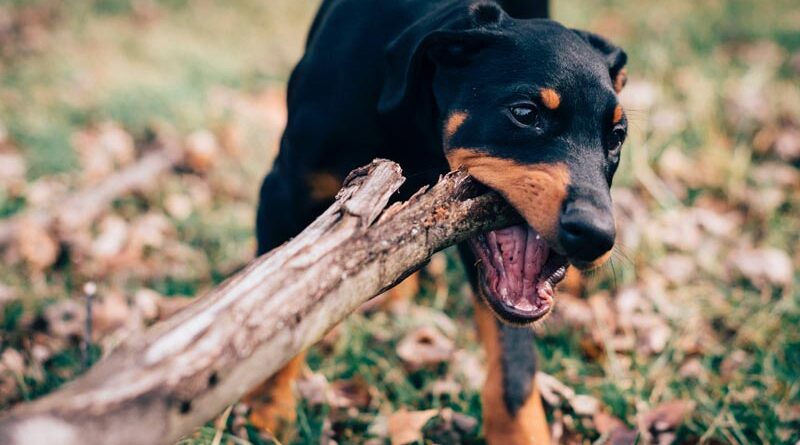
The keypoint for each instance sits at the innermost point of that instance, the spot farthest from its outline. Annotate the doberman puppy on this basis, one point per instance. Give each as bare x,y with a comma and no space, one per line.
527,106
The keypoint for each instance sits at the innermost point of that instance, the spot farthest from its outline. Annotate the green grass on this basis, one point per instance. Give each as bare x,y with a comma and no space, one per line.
702,61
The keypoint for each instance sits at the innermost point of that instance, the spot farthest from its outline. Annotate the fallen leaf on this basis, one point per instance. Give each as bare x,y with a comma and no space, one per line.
423,347
446,386
103,150
37,246
12,172
109,313
111,239
406,426
314,389
787,144
65,319
179,206
584,405
449,427
470,368
666,416
201,151
45,192
623,436
694,369
767,266
678,269
352,393
7,295
552,390
11,360
146,303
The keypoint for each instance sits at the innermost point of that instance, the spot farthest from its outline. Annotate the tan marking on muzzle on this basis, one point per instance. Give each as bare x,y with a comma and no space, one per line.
550,98
620,80
537,191
617,114
323,186
451,126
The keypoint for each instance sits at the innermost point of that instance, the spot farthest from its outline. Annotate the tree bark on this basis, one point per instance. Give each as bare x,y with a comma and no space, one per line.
161,386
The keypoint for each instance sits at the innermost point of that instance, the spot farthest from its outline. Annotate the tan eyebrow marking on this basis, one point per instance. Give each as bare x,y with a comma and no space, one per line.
323,185
452,125
617,114
620,80
550,98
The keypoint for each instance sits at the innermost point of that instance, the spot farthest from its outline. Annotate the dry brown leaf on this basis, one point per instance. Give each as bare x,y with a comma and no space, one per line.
109,314
623,436
65,318
45,192
146,303
552,390
37,246
470,369
787,144
352,393
678,269
7,295
584,405
150,230
111,239
314,389
446,386
12,172
653,333
103,150
424,346
179,206
11,360
406,426
767,266
202,151
570,312
605,423
666,416
693,368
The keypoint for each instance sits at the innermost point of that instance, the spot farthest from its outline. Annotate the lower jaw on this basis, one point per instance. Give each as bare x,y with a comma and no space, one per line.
534,307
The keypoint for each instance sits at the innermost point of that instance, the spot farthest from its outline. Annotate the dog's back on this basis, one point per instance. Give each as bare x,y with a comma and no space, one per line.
333,124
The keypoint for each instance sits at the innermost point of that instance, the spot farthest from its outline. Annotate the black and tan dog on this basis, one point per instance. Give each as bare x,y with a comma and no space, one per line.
527,106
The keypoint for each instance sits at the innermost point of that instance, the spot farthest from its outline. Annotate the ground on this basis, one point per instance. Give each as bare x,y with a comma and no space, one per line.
690,334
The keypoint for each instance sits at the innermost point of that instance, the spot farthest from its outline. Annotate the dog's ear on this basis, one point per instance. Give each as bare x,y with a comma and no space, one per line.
444,37
614,56
526,9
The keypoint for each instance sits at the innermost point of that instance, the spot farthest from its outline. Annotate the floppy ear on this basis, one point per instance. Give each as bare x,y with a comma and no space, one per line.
526,9
615,57
444,37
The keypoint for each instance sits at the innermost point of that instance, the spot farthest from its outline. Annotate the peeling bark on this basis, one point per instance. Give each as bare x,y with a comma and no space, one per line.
182,372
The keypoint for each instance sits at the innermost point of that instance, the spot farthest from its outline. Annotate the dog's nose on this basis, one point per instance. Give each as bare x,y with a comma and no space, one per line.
587,231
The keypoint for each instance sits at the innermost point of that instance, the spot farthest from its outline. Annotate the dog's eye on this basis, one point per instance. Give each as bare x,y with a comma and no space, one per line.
616,140
525,115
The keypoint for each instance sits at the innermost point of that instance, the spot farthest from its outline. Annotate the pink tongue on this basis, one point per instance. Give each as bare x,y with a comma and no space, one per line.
512,264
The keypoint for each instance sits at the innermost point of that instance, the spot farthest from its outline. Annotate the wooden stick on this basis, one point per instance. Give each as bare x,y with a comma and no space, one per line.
79,210
184,371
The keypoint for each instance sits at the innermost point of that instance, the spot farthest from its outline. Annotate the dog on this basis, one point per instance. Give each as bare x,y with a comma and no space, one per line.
527,106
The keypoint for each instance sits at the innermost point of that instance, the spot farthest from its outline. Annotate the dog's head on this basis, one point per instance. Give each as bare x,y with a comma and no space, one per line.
530,109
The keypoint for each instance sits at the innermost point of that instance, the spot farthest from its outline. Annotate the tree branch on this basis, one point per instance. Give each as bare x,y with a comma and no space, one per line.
184,371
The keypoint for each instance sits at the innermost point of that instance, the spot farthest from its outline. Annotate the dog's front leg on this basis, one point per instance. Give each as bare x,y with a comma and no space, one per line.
512,407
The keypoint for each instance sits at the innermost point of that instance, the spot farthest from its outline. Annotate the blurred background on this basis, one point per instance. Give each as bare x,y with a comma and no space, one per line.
134,134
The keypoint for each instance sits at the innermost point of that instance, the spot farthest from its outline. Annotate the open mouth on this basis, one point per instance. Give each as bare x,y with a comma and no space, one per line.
518,273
